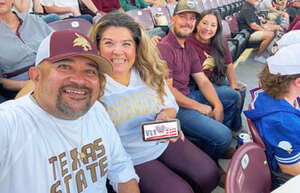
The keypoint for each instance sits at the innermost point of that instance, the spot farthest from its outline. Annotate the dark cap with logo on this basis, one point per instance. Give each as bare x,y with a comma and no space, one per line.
186,6
65,43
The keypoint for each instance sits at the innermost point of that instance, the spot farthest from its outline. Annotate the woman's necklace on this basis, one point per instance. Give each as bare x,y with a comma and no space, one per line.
80,154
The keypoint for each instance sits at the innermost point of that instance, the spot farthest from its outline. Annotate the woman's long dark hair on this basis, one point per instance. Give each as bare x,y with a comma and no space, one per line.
218,49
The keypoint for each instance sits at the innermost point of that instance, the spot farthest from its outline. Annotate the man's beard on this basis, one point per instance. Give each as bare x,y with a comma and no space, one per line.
180,35
66,108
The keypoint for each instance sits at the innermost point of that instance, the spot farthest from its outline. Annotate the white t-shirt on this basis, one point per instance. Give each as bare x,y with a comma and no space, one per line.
61,3
264,5
36,157
129,106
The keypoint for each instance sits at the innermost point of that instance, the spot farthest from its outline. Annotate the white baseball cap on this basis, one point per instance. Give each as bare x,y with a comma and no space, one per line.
286,60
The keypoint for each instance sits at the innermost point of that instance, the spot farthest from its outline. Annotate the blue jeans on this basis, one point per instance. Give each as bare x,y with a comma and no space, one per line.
215,135
50,18
226,92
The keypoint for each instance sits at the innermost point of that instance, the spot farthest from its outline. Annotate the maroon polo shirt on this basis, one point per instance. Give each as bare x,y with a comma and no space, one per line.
182,61
205,55
107,5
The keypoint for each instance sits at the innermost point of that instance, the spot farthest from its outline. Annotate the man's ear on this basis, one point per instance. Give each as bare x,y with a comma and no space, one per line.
34,74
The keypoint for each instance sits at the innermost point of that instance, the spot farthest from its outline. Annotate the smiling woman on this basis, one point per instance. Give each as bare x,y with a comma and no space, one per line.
215,57
136,91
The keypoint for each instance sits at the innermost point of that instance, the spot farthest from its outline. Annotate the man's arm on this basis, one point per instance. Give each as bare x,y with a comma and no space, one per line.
129,187
187,102
256,27
208,91
61,10
22,5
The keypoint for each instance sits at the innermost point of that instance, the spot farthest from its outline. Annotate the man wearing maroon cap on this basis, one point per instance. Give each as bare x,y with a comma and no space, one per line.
60,135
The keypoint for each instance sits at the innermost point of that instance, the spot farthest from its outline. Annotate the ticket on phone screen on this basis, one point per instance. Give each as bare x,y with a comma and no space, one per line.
156,130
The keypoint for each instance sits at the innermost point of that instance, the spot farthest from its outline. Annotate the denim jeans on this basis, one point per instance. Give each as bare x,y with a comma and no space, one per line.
215,135
50,18
226,92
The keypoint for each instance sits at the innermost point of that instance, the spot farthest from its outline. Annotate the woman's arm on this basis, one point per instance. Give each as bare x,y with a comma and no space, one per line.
13,85
22,5
231,75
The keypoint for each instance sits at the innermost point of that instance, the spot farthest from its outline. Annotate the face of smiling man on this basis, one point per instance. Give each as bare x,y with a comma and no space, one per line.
66,88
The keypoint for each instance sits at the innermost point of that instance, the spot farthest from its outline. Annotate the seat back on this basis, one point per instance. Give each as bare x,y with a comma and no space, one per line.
206,4
255,134
160,10
97,18
79,24
226,29
248,171
200,5
214,4
171,8
142,16
233,24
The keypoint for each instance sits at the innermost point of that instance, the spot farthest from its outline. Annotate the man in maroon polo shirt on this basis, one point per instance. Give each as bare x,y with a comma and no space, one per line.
201,111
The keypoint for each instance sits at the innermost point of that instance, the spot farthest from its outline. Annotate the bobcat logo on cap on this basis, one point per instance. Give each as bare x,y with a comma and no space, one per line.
190,4
81,41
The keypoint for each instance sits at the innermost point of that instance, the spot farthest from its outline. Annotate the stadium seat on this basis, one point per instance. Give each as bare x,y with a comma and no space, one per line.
171,8
97,18
206,4
142,16
248,171
255,134
200,5
79,24
160,10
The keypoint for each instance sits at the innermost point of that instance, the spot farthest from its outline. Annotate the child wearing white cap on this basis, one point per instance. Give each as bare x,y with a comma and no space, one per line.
276,112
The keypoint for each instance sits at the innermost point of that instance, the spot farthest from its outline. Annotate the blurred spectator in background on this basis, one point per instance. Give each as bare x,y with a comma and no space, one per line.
69,8
105,6
20,37
248,19
34,6
133,4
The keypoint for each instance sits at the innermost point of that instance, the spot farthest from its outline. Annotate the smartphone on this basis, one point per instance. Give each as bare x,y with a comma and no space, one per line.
156,130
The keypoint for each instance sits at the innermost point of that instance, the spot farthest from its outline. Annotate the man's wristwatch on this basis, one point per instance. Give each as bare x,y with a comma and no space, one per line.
97,12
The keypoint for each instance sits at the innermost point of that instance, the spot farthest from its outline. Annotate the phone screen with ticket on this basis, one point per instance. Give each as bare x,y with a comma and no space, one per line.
156,130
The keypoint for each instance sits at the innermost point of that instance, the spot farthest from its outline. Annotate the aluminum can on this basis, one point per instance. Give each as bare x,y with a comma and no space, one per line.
243,138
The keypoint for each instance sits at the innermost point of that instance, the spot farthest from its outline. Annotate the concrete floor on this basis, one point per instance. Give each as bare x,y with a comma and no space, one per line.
247,72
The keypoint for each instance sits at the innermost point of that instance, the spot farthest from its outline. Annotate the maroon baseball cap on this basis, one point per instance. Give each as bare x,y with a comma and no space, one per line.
65,43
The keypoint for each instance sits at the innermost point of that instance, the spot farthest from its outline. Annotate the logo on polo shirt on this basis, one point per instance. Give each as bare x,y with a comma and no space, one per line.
190,4
285,145
81,41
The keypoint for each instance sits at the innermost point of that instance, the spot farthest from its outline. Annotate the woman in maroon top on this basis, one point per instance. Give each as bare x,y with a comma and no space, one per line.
215,57
106,6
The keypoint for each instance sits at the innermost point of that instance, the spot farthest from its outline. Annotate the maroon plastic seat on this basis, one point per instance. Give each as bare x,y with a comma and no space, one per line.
255,134
79,24
142,16
248,171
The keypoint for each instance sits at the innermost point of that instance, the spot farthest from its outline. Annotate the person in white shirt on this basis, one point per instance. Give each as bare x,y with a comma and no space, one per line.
34,6
59,138
69,8
137,91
